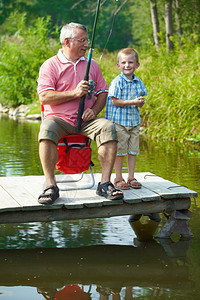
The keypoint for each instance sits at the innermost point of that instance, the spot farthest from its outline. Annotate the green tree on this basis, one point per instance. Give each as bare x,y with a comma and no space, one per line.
114,17
155,22
7,7
21,56
141,26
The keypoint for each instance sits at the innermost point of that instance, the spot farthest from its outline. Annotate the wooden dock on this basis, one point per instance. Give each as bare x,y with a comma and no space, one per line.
18,199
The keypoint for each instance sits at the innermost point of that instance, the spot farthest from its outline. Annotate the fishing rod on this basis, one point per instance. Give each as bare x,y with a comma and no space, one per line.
86,77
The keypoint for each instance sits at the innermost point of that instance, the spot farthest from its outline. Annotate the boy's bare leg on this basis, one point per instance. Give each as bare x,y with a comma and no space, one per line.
131,161
118,167
131,172
119,180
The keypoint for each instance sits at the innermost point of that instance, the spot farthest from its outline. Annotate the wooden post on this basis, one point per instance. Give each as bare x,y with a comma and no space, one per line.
177,222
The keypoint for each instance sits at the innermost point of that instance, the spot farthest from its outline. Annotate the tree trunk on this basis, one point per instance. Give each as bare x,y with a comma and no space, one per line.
155,22
178,19
168,24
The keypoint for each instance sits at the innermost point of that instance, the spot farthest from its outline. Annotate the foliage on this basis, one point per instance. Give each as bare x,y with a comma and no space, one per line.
190,16
172,109
21,57
114,30
141,23
128,22
113,17
7,7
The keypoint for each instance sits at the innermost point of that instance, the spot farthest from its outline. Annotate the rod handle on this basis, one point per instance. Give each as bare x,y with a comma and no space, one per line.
80,112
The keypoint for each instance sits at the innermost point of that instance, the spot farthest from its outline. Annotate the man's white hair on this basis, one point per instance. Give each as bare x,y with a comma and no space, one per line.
68,31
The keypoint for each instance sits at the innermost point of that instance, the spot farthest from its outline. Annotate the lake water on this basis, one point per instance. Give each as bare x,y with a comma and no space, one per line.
97,258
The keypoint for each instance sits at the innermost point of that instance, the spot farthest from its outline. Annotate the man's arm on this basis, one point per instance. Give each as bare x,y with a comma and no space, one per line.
52,97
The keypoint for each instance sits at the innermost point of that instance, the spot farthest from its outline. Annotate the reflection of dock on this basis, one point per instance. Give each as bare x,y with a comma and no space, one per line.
19,195
108,265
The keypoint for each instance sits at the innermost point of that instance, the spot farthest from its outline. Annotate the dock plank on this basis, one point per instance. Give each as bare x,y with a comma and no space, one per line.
87,198
165,190
145,194
7,202
19,199
131,197
136,195
163,187
33,186
19,189
14,185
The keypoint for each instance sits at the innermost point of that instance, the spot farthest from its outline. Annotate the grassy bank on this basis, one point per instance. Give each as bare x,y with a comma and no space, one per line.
172,109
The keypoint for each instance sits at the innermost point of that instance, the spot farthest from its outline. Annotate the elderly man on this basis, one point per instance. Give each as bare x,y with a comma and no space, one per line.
60,87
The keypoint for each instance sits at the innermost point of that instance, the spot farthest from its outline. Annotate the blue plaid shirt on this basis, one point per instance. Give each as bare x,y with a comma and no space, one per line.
123,88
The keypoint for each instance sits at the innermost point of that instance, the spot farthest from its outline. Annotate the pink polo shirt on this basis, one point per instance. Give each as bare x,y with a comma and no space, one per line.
59,74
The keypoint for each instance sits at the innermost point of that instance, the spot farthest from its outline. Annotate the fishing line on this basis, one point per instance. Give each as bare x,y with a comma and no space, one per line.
86,77
112,24
110,33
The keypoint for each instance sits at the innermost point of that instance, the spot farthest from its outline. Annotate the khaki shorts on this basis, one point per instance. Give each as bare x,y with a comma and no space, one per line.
99,130
128,139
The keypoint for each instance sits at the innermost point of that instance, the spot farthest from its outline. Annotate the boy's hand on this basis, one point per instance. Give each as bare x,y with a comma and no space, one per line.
140,101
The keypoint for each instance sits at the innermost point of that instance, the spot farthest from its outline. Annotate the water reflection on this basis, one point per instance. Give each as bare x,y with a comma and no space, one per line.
55,259
102,257
19,148
110,268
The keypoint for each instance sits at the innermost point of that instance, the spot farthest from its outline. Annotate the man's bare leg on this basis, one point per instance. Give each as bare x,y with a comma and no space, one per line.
48,156
106,155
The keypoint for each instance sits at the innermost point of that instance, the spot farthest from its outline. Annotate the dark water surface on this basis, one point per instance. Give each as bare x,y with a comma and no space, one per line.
97,258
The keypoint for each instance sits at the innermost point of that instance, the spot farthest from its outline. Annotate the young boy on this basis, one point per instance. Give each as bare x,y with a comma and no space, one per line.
125,96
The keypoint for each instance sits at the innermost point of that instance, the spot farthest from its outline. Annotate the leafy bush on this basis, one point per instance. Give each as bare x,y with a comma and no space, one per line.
172,109
21,56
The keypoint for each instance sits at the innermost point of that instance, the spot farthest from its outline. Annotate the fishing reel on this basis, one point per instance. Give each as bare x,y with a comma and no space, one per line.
92,86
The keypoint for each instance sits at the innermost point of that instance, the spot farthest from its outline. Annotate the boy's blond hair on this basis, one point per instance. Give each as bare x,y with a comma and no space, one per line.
128,51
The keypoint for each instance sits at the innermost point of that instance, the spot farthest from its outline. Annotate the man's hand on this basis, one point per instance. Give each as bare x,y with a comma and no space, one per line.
82,88
88,115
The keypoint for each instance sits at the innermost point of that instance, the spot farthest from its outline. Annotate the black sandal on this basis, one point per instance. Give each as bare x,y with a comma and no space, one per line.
107,189
50,198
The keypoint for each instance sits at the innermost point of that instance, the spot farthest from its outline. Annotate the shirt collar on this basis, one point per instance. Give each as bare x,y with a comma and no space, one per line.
134,77
64,60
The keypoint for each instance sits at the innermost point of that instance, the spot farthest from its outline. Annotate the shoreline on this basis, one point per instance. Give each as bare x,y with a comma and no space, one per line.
21,112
